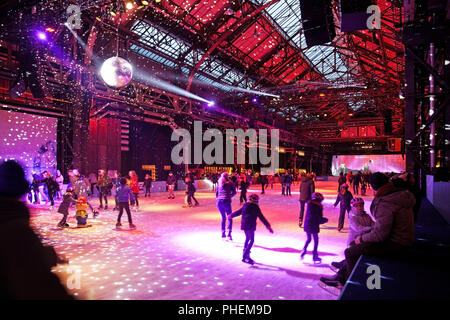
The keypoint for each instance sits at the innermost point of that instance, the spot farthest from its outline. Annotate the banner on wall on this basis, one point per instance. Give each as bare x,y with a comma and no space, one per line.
373,163
29,139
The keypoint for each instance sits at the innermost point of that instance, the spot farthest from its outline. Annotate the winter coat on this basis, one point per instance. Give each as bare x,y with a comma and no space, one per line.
283,179
65,204
124,194
24,262
225,191
358,223
307,188
148,182
314,217
51,184
171,180
392,209
357,179
288,179
250,212
263,180
342,180
134,184
190,187
244,185
344,200
104,182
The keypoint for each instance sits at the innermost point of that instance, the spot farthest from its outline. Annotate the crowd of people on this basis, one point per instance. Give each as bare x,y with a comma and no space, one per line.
387,230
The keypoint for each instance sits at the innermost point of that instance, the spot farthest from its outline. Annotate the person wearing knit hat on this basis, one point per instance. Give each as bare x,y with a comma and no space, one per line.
392,232
25,263
359,222
313,219
64,207
250,211
377,180
344,197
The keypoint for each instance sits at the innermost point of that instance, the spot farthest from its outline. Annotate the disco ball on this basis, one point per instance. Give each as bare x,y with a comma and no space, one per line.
116,72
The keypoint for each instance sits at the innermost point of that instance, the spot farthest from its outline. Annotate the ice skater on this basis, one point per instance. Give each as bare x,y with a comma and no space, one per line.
81,214
148,185
104,185
190,193
244,186
171,182
344,197
64,207
250,211
134,186
314,218
224,192
124,197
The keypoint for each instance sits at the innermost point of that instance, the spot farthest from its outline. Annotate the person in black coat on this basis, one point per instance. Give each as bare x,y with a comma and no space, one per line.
25,264
264,182
148,184
356,182
250,211
64,207
52,186
314,218
342,179
344,198
190,191
244,186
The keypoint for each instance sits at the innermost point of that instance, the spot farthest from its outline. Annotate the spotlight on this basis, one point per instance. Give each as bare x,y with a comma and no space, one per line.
255,100
49,29
145,3
42,36
129,5
211,103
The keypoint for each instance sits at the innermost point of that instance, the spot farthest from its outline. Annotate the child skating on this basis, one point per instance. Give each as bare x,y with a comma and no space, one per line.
124,196
314,218
81,214
344,197
250,211
64,207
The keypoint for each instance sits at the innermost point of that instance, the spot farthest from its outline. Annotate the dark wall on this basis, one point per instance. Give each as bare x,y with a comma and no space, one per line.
149,145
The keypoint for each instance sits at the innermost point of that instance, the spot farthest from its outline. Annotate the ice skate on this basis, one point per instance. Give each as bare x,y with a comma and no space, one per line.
316,259
132,226
335,266
96,213
248,260
334,288
118,225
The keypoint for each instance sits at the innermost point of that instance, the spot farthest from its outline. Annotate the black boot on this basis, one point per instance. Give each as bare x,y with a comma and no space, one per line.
223,234
229,236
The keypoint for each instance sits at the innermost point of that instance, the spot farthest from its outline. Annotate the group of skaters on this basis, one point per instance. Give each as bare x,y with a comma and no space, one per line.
388,229
81,190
